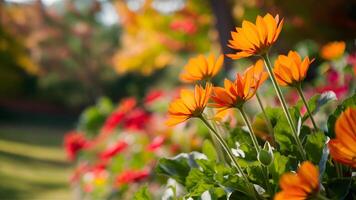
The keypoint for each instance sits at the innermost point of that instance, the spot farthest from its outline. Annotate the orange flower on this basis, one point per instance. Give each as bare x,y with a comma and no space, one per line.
253,39
343,147
332,50
201,68
291,69
234,94
300,185
190,104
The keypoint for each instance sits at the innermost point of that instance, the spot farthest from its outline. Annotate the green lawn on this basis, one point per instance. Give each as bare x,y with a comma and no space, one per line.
33,164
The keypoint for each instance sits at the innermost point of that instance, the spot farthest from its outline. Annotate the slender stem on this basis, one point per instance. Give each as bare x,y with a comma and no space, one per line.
266,174
268,122
339,171
321,197
299,89
251,132
230,154
284,105
217,145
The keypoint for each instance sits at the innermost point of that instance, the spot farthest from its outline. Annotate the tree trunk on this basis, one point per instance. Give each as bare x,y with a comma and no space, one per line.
224,24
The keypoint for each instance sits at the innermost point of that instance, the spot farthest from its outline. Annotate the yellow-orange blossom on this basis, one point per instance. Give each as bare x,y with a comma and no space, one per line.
333,50
299,185
343,147
201,68
242,89
291,69
252,39
189,104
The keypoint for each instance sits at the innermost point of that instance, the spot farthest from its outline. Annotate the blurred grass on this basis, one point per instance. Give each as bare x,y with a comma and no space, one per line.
33,164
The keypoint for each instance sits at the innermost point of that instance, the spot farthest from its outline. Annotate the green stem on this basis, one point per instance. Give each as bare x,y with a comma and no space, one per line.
299,89
266,179
230,154
321,197
268,122
251,132
284,105
339,171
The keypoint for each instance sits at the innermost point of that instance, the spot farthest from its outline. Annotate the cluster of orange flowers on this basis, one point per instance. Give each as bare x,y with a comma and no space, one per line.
289,70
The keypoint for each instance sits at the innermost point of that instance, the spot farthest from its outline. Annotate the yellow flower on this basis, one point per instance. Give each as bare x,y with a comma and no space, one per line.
291,69
343,147
300,185
242,89
252,39
190,104
201,68
333,50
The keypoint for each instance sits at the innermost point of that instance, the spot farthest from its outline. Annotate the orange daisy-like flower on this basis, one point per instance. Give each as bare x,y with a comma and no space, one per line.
190,104
300,185
343,147
201,68
333,50
291,69
253,39
234,94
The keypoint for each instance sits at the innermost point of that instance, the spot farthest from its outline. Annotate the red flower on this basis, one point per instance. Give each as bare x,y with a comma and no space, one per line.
156,143
153,96
131,176
186,26
333,77
136,119
73,143
113,150
113,121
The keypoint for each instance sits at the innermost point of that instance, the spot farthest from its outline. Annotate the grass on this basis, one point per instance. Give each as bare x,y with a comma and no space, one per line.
33,164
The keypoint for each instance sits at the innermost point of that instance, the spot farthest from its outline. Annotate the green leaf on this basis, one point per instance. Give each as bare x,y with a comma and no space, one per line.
314,146
349,102
229,179
197,182
338,188
209,150
280,165
142,194
179,166
282,130
244,139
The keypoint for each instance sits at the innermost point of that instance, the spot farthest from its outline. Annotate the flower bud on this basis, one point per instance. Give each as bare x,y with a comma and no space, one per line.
265,156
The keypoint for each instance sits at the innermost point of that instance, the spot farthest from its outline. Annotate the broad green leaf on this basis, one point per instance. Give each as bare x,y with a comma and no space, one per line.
314,146
197,182
351,101
179,166
282,130
209,150
281,164
142,194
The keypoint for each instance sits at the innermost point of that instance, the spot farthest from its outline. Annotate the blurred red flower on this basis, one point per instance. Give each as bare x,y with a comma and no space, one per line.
131,176
118,115
113,121
152,96
156,143
74,142
186,26
136,119
333,77
113,150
